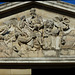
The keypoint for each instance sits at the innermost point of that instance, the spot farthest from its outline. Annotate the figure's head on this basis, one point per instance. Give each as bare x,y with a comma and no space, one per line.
58,19
66,20
22,24
50,24
33,12
23,18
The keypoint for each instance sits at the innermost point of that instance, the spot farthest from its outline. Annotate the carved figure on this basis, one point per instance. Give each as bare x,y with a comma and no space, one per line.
4,49
62,28
48,26
36,21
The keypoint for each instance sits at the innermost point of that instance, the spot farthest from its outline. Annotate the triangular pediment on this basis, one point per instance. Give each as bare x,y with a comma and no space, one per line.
37,29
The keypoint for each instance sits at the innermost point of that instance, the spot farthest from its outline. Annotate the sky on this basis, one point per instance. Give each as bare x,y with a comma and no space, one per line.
68,1
2,2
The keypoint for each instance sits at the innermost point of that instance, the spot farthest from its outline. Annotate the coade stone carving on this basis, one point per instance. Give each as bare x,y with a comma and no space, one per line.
35,37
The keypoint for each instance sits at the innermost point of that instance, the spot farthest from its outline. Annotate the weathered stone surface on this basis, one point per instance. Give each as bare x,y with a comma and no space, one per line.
40,53
71,52
37,35
51,53
15,54
32,53
64,52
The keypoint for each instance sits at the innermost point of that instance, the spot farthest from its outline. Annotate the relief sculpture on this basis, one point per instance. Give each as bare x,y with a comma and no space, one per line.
36,37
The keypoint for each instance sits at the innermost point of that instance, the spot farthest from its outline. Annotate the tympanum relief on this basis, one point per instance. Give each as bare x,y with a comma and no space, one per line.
37,37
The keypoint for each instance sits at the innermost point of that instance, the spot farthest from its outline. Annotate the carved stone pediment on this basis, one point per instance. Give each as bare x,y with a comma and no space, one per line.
37,34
